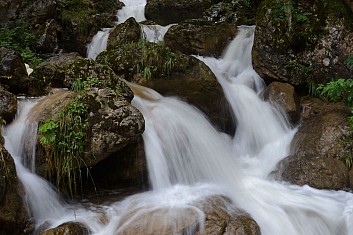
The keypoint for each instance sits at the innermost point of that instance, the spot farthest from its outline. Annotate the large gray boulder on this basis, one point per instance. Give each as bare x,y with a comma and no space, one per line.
302,43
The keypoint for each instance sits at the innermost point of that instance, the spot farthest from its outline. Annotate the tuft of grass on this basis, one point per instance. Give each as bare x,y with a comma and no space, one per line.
64,142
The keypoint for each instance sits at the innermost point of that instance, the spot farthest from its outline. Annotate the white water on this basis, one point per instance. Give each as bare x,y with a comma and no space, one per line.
187,157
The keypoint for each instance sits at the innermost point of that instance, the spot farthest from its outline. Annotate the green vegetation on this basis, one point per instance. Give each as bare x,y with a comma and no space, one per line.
77,12
20,39
337,91
81,84
64,142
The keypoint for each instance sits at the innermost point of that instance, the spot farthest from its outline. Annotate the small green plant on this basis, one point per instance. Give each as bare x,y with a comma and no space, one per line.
64,141
340,90
89,82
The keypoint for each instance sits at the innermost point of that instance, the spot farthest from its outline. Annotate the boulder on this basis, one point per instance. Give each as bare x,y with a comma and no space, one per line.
69,228
284,95
198,37
302,43
165,12
8,11
38,11
8,105
13,213
319,150
171,73
13,71
129,31
112,124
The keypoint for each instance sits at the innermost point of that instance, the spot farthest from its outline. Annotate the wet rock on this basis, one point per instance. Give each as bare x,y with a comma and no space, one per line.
8,11
69,228
319,150
38,11
8,105
303,43
219,220
284,95
165,12
129,31
13,71
112,124
198,37
13,213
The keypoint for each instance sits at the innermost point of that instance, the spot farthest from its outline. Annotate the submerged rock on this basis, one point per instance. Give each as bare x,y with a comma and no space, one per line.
219,219
69,228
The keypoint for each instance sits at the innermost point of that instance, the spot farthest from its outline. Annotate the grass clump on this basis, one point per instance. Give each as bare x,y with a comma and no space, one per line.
64,142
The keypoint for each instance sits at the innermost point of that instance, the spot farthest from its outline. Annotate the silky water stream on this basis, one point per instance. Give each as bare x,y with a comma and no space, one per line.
188,159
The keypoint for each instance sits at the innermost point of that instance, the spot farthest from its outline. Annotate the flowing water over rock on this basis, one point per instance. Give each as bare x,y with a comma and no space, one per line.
189,160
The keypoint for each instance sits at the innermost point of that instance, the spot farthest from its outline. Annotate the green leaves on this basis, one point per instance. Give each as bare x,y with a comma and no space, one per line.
338,90
48,132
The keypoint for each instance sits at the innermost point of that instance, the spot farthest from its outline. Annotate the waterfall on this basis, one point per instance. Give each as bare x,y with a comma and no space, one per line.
20,138
188,159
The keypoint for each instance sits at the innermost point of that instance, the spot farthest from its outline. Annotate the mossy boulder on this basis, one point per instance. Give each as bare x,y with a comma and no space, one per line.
13,213
63,70
165,12
110,123
69,228
200,37
301,43
171,73
129,31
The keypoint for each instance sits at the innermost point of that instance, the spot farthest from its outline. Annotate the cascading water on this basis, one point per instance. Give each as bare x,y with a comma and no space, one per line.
132,8
187,158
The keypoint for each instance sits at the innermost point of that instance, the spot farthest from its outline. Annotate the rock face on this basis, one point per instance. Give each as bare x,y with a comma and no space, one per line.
319,150
302,43
165,12
284,95
13,213
13,71
8,105
197,37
